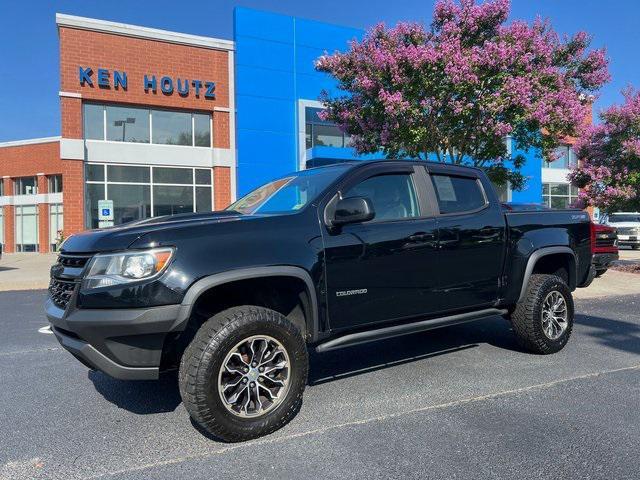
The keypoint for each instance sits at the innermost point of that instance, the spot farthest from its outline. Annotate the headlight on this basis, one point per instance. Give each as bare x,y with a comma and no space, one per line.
120,268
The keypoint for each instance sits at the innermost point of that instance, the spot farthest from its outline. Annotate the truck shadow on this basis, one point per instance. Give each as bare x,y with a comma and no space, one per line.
161,396
370,357
142,397
616,334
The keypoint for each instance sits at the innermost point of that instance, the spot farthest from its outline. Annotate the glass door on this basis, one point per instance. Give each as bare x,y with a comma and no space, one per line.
56,224
26,228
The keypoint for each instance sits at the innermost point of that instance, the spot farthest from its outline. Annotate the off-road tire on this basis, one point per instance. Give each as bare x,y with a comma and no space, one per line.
527,317
202,360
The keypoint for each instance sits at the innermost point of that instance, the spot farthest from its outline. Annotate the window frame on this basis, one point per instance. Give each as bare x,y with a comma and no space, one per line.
417,175
345,136
17,185
546,199
55,180
149,111
450,173
194,186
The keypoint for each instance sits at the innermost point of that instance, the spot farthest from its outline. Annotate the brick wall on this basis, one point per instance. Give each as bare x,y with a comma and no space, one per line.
221,187
139,57
29,161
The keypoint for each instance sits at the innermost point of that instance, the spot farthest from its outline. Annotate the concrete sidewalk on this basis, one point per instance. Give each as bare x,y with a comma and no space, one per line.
25,271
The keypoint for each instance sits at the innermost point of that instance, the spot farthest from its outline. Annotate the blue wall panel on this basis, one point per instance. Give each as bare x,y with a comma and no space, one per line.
275,57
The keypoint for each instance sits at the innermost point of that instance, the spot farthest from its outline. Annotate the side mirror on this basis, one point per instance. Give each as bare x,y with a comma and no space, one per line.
353,210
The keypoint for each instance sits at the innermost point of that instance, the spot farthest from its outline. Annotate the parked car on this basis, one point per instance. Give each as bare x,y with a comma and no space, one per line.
628,226
328,257
605,247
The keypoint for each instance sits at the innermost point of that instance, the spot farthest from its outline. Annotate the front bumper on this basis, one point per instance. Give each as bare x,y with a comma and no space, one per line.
123,343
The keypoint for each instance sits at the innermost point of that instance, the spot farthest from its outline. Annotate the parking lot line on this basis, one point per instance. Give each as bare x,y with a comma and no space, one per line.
317,431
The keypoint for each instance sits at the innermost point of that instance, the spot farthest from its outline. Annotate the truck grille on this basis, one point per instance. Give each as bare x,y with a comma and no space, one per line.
61,291
74,261
628,230
65,276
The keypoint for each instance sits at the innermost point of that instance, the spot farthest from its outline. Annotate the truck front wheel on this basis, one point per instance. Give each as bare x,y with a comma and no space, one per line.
243,374
543,319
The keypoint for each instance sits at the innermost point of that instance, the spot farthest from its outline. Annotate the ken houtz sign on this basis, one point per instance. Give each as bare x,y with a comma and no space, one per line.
105,78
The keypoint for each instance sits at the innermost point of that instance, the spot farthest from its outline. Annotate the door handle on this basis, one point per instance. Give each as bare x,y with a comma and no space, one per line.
422,237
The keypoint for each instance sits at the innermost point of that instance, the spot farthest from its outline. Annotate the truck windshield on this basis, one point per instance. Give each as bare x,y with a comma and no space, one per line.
290,193
624,217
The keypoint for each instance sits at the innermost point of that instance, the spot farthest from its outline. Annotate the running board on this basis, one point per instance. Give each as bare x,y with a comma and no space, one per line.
405,329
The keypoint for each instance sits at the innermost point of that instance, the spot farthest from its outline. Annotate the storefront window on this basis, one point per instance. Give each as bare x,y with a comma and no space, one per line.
565,158
169,200
26,186
125,124
320,133
173,175
93,121
142,125
202,130
26,228
559,195
140,192
56,225
118,173
130,202
172,128
55,183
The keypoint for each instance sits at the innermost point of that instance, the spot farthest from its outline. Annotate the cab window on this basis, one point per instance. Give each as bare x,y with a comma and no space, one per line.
458,194
393,196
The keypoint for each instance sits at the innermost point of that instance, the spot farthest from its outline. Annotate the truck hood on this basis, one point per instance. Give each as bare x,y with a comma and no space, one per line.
123,236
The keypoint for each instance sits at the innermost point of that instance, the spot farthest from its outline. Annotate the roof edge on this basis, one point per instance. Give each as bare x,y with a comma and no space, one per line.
93,24
30,141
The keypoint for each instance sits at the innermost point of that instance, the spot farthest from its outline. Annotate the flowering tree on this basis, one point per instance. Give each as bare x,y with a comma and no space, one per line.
457,89
609,167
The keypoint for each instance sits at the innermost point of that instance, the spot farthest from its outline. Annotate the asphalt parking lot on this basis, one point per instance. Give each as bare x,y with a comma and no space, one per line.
460,402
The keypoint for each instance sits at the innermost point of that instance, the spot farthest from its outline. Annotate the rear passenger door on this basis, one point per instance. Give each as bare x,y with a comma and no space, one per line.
471,232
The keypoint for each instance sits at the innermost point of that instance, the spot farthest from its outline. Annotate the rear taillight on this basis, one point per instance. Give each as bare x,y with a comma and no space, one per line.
592,229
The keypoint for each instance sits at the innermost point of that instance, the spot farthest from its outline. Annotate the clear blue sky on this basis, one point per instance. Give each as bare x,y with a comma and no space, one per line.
29,105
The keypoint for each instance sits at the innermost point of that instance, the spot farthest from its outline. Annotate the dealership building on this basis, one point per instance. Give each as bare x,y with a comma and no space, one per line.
156,122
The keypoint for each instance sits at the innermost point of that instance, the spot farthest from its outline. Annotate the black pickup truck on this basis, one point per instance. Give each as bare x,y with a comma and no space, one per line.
323,258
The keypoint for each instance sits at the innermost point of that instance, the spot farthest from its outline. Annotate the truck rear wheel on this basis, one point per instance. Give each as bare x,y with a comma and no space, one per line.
543,320
243,374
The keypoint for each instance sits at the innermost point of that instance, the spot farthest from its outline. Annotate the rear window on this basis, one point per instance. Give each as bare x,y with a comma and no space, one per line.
458,194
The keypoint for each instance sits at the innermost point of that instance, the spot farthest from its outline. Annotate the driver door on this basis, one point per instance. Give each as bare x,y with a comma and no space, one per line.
383,269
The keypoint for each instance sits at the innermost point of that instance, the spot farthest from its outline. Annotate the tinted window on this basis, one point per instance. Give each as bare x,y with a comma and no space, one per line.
203,177
172,175
171,128
393,196
458,194
202,129
116,173
94,122
55,184
127,124
95,173
169,200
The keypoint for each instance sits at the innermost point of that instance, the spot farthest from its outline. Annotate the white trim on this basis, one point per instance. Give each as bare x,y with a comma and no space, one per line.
37,199
84,23
233,178
69,94
102,151
555,175
29,141
221,109
71,149
302,143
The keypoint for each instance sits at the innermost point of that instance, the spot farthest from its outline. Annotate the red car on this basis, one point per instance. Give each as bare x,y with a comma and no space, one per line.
604,244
